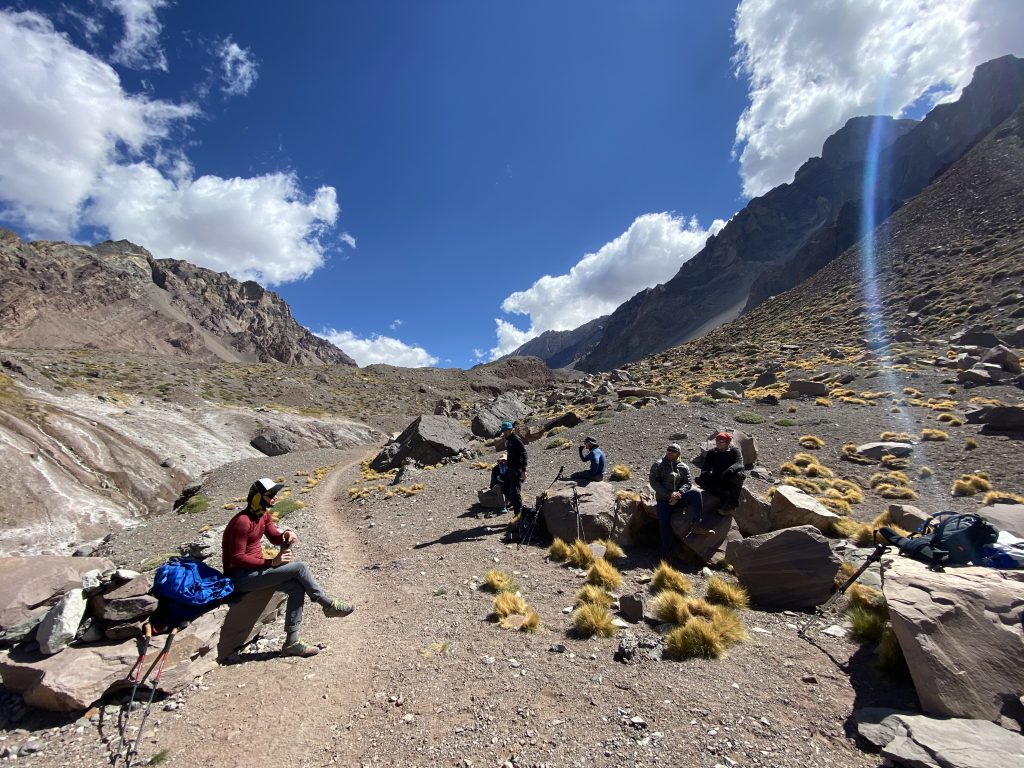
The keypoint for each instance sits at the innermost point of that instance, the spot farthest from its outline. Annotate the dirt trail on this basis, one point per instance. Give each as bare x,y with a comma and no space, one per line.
285,709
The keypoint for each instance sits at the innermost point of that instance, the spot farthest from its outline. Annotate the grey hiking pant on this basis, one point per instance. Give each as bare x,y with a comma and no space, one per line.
294,579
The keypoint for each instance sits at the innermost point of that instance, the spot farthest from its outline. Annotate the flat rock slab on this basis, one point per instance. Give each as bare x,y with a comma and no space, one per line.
791,568
960,631
27,582
878,450
918,741
791,507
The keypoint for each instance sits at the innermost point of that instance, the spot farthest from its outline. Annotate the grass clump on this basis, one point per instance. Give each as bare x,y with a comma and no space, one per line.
155,561
612,551
594,595
198,503
896,437
603,574
589,620
667,577
499,581
934,435
285,507
697,638
559,550
866,624
812,442
970,444
925,472
951,420
845,528
670,608
824,402
750,417
971,484
580,554
785,422
559,442
508,603
1002,497
791,409
727,593
620,472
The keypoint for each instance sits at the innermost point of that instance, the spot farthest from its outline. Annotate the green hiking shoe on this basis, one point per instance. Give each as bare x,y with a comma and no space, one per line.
300,648
337,607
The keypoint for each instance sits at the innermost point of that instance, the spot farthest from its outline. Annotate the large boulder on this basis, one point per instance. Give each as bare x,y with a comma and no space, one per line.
1004,357
599,512
907,516
507,406
703,546
1006,517
1003,417
792,507
800,387
273,441
752,514
26,583
60,625
791,568
746,444
77,677
960,631
427,440
920,741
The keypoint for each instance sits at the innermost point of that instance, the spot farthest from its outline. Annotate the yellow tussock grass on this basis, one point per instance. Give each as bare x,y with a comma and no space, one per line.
589,620
507,603
667,577
499,581
969,485
594,595
603,574
620,472
823,401
670,607
559,550
580,554
697,638
811,442
925,472
934,435
612,551
727,593
1002,497
951,420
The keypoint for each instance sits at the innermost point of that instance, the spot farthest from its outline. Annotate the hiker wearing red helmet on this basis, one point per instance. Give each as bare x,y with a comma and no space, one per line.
721,474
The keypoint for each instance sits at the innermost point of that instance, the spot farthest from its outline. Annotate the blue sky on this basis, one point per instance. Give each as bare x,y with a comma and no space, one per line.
434,182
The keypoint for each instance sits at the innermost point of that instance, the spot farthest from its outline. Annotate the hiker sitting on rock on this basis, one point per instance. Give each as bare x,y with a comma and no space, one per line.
670,479
246,566
590,451
516,474
721,474
494,495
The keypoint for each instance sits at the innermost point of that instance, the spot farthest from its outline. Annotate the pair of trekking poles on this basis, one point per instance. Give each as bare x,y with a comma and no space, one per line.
540,508
128,750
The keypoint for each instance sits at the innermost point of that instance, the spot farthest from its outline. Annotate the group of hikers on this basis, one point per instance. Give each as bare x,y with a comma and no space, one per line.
245,564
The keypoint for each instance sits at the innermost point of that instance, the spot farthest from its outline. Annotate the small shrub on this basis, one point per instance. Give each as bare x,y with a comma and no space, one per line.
697,638
729,625
866,597
499,581
603,574
849,490
559,550
896,492
589,620
1002,497
580,554
896,437
805,459
864,536
621,472
750,417
285,507
594,595
727,593
198,503
951,419
791,409
970,444
409,490
670,608
667,577
532,622
839,506
969,485
507,603
812,442
895,462
612,551
823,401
925,472
934,435
819,470
789,468
785,422
866,624
559,442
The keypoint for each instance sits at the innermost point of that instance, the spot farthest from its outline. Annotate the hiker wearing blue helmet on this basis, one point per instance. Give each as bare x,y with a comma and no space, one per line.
516,474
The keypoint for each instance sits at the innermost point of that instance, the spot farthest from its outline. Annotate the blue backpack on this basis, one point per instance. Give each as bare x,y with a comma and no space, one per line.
186,589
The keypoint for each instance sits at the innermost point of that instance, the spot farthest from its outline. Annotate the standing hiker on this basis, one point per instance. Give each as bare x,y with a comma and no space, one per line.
516,474
246,566
670,479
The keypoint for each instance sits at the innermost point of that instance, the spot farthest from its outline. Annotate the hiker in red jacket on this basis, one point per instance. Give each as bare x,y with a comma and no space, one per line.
246,566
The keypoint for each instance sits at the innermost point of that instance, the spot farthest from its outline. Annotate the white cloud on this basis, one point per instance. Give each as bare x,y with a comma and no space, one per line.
140,46
238,70
812,66
651,251
395,324
76,149
379,349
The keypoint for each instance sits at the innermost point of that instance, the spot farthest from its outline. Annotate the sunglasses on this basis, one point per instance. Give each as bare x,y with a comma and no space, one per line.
671,450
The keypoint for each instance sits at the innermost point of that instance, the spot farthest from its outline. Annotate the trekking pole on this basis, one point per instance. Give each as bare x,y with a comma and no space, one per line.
136,676
154,683
875,556
576,509
543,497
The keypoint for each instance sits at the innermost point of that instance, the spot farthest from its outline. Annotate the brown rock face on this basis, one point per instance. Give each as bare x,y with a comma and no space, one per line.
961,635
117,296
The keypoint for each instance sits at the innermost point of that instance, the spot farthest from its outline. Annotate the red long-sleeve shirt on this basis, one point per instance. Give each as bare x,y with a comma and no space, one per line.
242,543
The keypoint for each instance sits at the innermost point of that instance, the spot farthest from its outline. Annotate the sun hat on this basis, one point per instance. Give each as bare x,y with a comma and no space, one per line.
589,439
506,426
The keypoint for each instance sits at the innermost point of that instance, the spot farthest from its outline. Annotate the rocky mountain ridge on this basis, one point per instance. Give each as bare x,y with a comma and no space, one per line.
787,234
115,295
560,349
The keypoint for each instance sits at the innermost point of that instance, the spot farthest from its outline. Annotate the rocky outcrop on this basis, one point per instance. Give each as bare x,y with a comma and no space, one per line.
562,348
427,441
599,512
791,568
960,633
117,296
791,507
715,285
507,406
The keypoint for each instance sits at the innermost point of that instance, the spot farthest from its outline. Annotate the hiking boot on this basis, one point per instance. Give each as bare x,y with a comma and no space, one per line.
337,608
301,649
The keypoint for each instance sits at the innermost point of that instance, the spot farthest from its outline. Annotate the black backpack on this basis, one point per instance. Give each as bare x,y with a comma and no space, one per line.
955,538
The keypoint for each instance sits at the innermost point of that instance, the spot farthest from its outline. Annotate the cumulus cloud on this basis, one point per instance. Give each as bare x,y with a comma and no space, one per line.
76,150
649,252
140,46
379,349
238,70
812,66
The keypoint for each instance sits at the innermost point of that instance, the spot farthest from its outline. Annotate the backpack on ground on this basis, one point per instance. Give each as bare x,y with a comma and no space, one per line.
950,538
186,589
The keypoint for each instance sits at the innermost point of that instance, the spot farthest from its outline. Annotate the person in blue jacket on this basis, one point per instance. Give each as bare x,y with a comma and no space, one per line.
590,451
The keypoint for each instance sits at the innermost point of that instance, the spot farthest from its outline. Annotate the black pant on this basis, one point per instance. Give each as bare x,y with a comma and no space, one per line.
513,487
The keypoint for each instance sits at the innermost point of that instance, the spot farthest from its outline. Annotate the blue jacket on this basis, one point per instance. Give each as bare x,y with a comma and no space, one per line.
596,459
